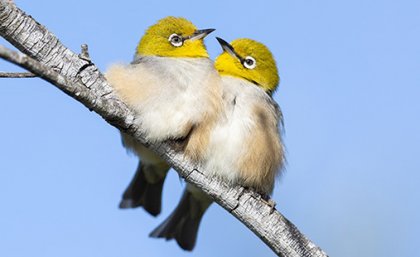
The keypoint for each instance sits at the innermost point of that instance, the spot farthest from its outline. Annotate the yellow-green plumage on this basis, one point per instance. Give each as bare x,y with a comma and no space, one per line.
155,40
264,74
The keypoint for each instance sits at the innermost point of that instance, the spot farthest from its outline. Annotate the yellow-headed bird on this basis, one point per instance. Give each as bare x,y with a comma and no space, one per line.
175,91
245,145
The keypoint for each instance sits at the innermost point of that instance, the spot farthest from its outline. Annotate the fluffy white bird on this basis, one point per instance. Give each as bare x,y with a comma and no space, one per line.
175,92
245,145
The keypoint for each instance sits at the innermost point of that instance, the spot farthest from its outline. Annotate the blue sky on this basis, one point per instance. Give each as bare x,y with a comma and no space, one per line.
350,89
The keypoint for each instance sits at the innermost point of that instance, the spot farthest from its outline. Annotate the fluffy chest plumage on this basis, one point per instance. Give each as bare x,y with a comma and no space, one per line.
240,99
183,97
182,73
168,94
229,138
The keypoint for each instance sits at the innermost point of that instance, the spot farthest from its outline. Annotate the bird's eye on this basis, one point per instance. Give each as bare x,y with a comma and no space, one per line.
249,63
176,40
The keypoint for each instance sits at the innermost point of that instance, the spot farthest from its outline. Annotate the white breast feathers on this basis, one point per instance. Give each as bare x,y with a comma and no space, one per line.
169,95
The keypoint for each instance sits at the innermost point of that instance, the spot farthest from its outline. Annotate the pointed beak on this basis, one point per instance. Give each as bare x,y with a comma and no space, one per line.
228,48
199,34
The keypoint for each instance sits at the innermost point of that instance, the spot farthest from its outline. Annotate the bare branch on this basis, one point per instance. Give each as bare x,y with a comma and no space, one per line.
17,75
79,78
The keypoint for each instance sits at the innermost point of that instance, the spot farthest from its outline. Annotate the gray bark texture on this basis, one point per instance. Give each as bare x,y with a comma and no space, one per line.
17,75
45,56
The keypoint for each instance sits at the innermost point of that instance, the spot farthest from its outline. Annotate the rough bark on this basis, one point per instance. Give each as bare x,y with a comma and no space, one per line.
45,56
17,75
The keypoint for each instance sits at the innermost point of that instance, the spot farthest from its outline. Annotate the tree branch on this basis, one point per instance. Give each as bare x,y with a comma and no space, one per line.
17,75
77,76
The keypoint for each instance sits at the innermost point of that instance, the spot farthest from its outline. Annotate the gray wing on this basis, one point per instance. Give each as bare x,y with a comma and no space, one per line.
278,113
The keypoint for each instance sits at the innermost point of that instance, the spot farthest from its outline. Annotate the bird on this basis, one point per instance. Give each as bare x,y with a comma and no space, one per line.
174,90
245,146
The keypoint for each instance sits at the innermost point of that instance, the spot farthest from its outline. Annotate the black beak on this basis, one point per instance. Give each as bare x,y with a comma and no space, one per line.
199,34
228,48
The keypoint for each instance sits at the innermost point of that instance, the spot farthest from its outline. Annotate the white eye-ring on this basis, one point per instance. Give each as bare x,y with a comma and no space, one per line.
176,40
249,63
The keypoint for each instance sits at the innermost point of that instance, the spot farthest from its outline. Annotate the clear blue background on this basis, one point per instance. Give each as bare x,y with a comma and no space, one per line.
350,94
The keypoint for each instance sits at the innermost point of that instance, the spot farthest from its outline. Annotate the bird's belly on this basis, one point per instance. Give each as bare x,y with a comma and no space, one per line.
227,144
171,117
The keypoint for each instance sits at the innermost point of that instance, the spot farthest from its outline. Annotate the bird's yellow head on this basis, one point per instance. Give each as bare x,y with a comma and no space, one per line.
250,60
173,37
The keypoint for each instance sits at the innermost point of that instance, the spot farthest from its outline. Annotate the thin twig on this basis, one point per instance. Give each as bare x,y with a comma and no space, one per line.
85,53
17,75
74,89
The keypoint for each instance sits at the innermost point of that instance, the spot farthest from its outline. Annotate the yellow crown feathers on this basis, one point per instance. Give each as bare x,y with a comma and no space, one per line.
173,37
250,60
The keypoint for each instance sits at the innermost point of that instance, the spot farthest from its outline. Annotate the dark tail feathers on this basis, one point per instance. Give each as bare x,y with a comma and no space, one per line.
145,189
182,225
